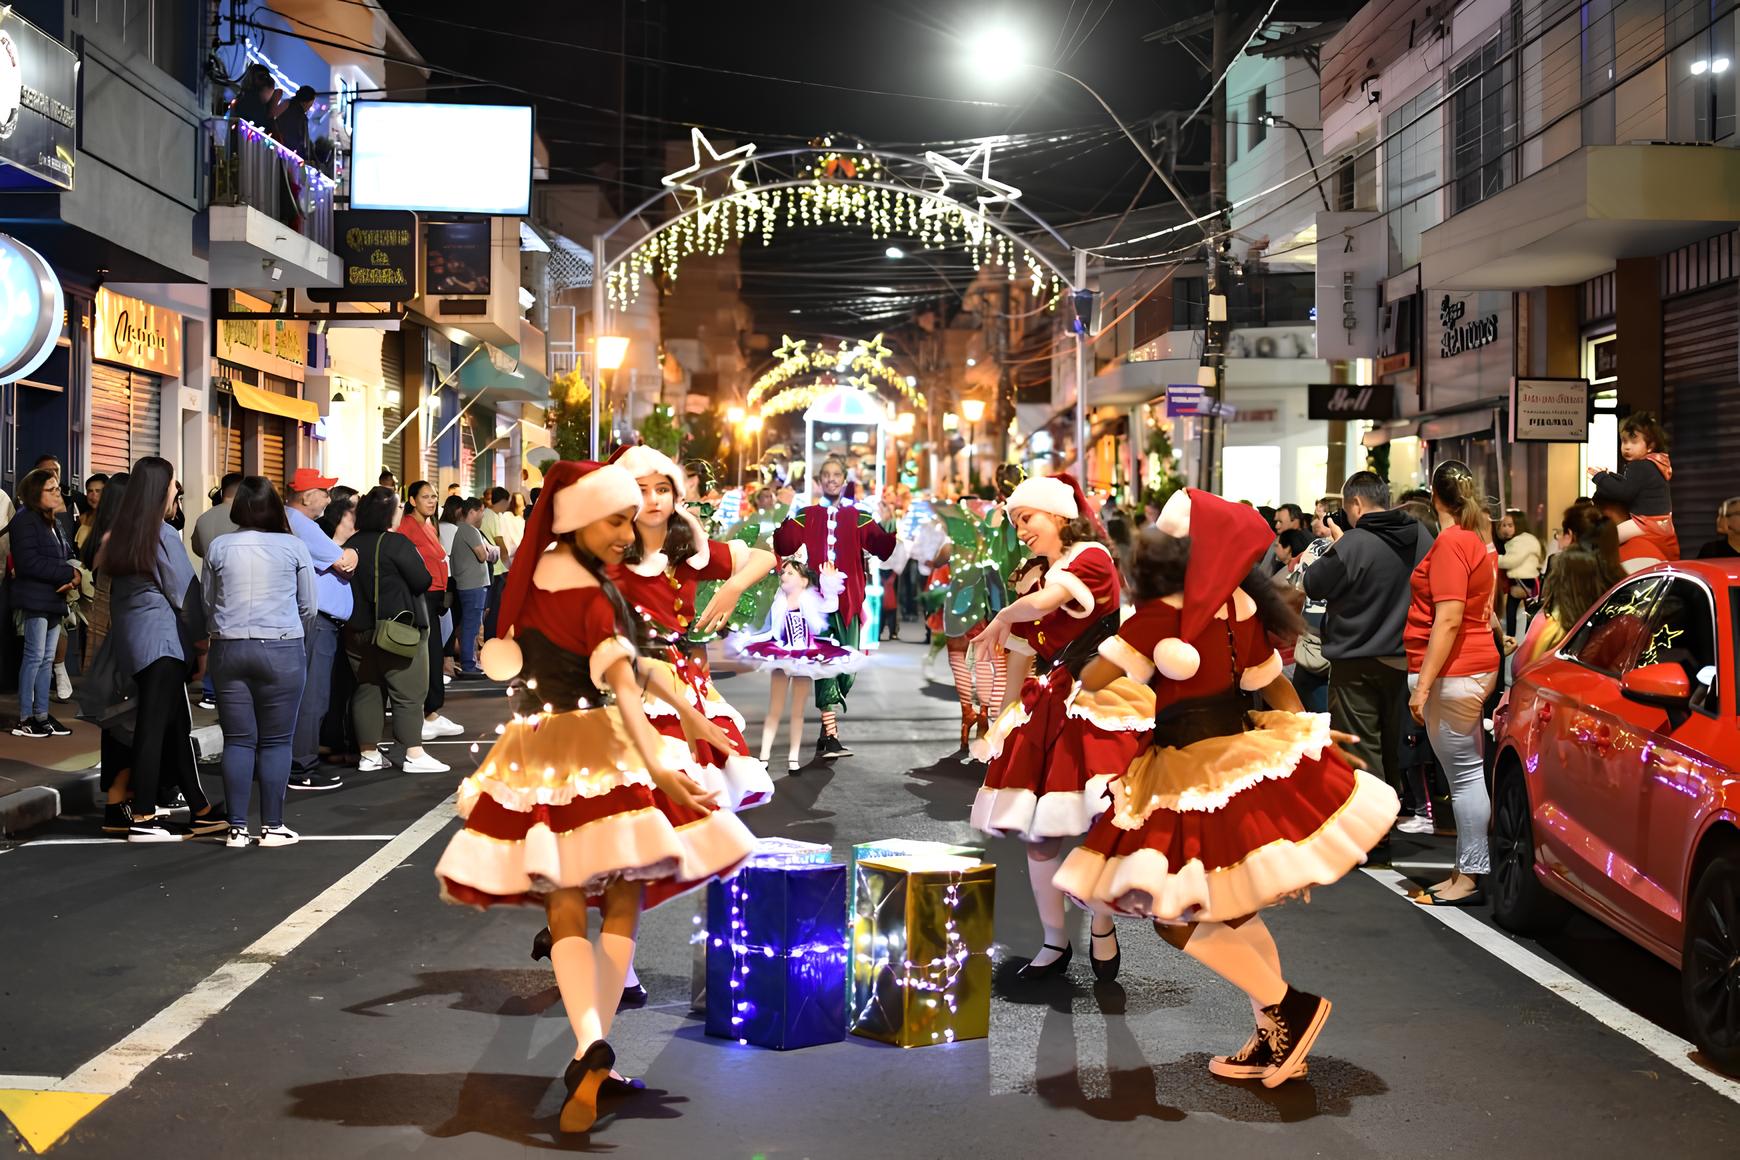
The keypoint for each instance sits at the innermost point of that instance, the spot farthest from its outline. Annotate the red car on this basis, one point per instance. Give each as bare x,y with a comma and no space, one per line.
1616,791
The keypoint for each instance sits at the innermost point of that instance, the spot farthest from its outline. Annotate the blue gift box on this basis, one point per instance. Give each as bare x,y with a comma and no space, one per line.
777,955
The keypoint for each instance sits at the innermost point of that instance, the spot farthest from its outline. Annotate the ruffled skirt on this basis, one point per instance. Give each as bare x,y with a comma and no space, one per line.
1226,826
739,779
1053,753
537,820
823,658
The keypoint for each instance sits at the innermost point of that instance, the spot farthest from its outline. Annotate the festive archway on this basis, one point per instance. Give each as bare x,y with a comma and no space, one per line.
862,364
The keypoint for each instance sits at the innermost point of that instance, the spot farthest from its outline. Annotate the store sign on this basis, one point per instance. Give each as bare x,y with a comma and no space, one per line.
1604,355
1549,410
137,334
35,307
38,104
1353,252
1458,335
458,260
1343,401
278,346
1183,399
379,251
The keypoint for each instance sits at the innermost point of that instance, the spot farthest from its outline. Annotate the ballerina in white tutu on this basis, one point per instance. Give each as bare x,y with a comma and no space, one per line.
796,648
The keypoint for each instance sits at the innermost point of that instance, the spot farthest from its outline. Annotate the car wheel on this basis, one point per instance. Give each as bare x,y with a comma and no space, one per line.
1520,902
1710,967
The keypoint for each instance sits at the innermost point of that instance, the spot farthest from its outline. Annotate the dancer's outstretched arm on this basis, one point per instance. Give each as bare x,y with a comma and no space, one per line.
757,563
696,726
678,786
1033,606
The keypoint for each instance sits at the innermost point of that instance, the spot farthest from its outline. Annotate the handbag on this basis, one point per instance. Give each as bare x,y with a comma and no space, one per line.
393,635
1308,653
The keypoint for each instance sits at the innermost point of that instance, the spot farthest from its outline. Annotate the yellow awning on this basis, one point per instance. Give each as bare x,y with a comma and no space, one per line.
272,403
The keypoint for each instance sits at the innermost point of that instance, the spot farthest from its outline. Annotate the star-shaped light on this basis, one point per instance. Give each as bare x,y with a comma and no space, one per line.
947,168
707,158
789,349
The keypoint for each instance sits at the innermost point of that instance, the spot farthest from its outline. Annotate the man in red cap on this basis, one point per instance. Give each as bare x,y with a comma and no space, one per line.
333,565
835,531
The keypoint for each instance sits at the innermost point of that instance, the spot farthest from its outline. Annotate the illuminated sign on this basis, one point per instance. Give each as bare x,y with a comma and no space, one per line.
31,308
137,334
38,106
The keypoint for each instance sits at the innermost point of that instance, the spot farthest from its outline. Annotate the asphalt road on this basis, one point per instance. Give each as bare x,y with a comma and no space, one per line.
319,1001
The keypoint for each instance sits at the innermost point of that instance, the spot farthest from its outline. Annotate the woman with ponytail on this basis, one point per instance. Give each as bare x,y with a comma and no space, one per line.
581,803
1453,666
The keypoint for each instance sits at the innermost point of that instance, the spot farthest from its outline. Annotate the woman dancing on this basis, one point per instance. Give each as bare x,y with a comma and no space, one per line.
579,803
1230,811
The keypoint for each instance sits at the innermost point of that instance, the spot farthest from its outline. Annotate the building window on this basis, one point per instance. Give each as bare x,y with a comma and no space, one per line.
1702,72
1597,47
1232,141
1356,176
1255,107
165,32
1482,128
1411,157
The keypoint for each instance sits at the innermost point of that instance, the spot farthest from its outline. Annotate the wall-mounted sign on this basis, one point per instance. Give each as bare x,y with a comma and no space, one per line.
278,346
1460,334
39,79
1549,410
379,252
1345,401
1183,399
31,322
1604,358
137,334
457,259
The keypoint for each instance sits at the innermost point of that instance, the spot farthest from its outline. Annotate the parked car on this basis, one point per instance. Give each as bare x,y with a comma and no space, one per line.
1616,787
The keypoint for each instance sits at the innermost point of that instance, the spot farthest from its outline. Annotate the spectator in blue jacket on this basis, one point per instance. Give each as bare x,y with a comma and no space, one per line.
42,558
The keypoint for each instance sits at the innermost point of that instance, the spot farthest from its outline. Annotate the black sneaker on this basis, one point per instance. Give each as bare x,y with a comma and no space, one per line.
213,822
117,818
1297,1019
830,747
31,728
55,728
155,830
1253,1060
316,781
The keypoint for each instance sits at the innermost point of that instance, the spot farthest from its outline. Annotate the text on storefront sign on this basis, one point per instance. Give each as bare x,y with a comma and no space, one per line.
1462,336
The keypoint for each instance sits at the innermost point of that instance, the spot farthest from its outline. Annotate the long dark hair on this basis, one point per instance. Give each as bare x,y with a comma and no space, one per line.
334,514
374,512
1157,566
628,625
257,507
680,542
1579,576
138,518
105,519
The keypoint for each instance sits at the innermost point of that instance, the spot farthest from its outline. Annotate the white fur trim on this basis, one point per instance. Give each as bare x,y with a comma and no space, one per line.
501,659
990,747
1044,493
1311,744
1021,813
1175,516
1253,679
1176,659
742,783
559,571
1086,705
1016,644
606,654
1081,599
650,565
593,496
641,461
1243,606
1120,652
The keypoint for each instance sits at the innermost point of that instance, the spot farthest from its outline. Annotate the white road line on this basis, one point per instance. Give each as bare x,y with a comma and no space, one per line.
28,1083
121,843
1670,1048
1425,865
111,1071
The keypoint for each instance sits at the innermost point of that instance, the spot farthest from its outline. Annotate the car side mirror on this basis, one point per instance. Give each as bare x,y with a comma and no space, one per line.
1665,686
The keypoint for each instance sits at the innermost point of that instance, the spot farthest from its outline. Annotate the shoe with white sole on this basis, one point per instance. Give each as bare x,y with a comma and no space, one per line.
442,727
1418,824
153,830
424,764
237,838
279,835
372,762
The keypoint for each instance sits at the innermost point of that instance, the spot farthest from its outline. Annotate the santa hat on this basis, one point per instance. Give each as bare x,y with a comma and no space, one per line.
1059,495
574,495
641,461
1233,537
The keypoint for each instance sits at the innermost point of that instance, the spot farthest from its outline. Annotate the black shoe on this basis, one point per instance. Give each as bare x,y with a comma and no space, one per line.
117,818
1253,1060
316,781
55,727
583,1079
213,821
541,944
633,998
1057,966
1105,970
1379,855
31,728
830,747
1297,1019
155,830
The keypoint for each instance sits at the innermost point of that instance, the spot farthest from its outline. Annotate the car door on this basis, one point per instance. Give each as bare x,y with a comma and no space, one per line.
1667,766
1578,724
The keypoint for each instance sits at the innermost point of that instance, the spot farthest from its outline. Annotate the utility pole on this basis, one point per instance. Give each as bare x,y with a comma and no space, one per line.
1214,332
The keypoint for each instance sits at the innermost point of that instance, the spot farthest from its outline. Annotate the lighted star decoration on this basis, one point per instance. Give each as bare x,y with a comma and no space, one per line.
948,169
708,158
791,348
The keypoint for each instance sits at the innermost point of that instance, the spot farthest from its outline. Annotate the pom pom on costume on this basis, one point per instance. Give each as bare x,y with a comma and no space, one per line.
501,659
1176,659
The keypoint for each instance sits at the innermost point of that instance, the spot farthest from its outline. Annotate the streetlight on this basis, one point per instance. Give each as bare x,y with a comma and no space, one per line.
972,410
1273,119
608,351
894,252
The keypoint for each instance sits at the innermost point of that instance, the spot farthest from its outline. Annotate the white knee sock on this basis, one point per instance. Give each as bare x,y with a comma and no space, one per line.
630,978
1239,960
615,960
1049,900
576,977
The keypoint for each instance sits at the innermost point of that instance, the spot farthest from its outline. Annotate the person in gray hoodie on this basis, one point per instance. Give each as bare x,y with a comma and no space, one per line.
1363,581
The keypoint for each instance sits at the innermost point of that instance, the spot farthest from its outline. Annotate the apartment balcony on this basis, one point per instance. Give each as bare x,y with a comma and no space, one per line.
269,225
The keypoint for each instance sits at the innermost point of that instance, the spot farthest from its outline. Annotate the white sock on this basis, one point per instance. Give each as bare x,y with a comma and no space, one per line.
1239,960
631,979
1049,900
60,672
576,977
615,959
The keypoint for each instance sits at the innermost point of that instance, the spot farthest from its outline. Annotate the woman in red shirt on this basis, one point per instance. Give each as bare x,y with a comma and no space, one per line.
1453,665
419,527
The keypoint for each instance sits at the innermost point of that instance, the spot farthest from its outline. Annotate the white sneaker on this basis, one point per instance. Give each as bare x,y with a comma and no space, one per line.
446,679
1418,824
372,763
62,684
238,838
279,835
441,727
425,764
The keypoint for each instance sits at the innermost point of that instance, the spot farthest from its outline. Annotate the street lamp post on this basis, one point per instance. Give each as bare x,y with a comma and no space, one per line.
608,351
736,416
972,410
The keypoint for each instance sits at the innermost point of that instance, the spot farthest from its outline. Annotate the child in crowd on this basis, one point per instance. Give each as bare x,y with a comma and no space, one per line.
796,648
1646,531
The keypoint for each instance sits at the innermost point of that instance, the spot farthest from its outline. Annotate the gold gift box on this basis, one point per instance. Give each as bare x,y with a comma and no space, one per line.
921,949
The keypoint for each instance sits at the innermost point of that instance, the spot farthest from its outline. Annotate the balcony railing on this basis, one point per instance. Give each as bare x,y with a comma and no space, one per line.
250,167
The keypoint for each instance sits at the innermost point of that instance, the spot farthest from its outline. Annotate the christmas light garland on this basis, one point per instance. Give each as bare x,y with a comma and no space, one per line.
864,365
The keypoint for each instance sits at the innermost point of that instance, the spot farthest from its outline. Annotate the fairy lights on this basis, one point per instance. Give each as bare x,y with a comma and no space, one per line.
863,365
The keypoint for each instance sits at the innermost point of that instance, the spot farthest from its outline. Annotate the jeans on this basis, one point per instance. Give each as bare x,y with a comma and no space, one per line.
471,603
381,675
1369,699
320,648
497,582
163,737
259,686
36,674
1454,708
1313,689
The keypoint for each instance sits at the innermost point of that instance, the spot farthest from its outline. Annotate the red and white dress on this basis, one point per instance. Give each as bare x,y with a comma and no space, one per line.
663,594
1053,750
796,642
563,799
1229,810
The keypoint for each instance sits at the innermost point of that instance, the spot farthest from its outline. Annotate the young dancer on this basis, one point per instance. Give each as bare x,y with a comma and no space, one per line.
579,802
1640,488
1055,747
1230,811
796,650
836,531
983,550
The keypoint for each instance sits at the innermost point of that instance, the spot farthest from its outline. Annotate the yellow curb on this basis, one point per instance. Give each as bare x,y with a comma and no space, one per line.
42,1118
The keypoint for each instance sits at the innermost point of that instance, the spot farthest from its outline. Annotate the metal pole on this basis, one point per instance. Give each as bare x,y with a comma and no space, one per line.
1214,333
598,308
1081,377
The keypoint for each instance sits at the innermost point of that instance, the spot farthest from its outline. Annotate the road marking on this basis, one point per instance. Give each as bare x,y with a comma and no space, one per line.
1425,865
44,1114
1670,1048
28,1083
210,839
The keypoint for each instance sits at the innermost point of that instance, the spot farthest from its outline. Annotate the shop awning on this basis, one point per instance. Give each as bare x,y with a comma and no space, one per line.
272,403
527,383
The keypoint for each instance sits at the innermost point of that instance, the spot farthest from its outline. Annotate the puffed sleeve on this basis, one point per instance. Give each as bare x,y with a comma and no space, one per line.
1091,579
1257,659
599,635
1132,649
722,560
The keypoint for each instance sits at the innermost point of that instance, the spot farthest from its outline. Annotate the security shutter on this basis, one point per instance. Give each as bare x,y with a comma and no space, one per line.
1701,403
147,415
272,448
393,382
111,420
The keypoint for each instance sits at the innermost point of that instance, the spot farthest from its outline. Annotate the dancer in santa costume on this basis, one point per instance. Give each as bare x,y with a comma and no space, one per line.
1055,746
1230,810
581,802
836,531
